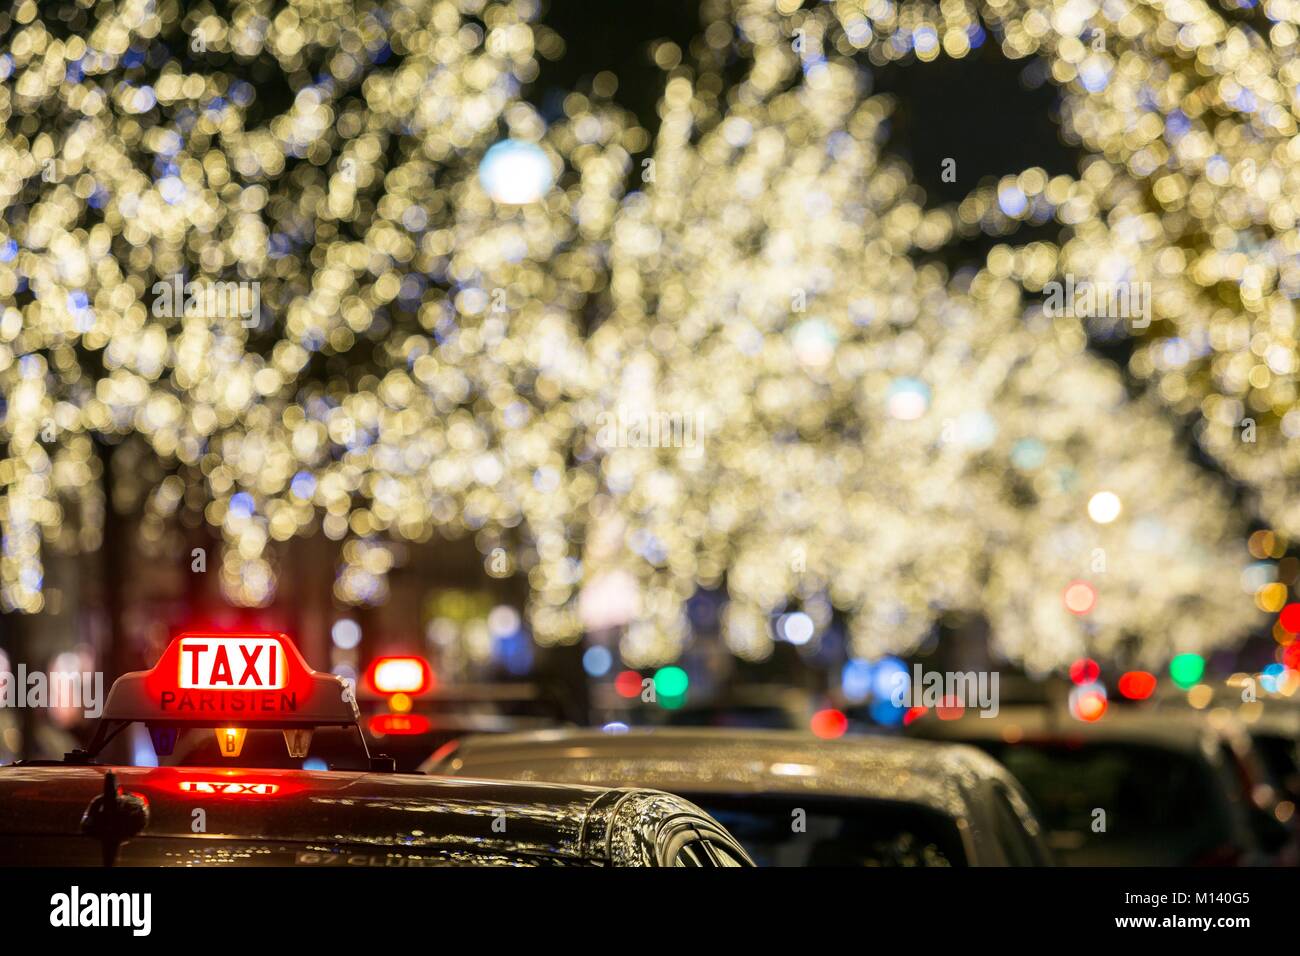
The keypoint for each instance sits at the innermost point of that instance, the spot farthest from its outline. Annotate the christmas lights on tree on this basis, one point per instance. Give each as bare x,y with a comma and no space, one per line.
334,274
864,434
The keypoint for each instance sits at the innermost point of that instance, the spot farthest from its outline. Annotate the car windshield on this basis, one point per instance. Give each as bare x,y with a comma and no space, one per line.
799,831
1160,806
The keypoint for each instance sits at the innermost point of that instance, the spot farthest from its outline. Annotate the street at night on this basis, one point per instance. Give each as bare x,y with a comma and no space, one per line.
853,436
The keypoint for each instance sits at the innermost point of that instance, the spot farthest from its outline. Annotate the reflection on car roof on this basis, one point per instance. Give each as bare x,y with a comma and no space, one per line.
396,810
695,760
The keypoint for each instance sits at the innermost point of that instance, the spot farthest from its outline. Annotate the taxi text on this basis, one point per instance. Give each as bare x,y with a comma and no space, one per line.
217,663
228,702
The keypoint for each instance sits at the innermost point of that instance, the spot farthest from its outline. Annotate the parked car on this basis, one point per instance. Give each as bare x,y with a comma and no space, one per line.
792,799
1134,788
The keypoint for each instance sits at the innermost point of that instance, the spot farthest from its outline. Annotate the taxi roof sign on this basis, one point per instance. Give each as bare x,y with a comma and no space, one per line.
218,679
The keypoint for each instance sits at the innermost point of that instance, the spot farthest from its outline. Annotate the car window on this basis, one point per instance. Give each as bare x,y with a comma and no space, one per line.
802,831
1120,803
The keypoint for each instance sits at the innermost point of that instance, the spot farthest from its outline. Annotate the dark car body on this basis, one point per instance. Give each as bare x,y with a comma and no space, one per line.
408,739
1134,788
1273,723
861,800
450,712
245,817
1276,733
1273,726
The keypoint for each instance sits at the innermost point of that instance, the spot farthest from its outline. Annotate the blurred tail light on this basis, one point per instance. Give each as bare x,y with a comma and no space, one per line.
400,675
397,725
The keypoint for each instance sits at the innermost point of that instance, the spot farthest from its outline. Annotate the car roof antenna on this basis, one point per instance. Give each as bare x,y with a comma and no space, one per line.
113,817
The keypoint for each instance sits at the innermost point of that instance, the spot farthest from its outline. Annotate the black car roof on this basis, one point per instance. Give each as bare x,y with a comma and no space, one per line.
950,779
374,809
695,760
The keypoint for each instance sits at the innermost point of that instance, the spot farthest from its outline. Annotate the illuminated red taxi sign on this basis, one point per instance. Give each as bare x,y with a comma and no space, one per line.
223,663
219,679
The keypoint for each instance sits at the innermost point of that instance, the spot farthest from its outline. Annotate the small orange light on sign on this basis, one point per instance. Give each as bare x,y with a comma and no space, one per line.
230,740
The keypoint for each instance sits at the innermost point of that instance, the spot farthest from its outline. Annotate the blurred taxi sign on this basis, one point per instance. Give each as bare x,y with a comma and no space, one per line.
400,675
